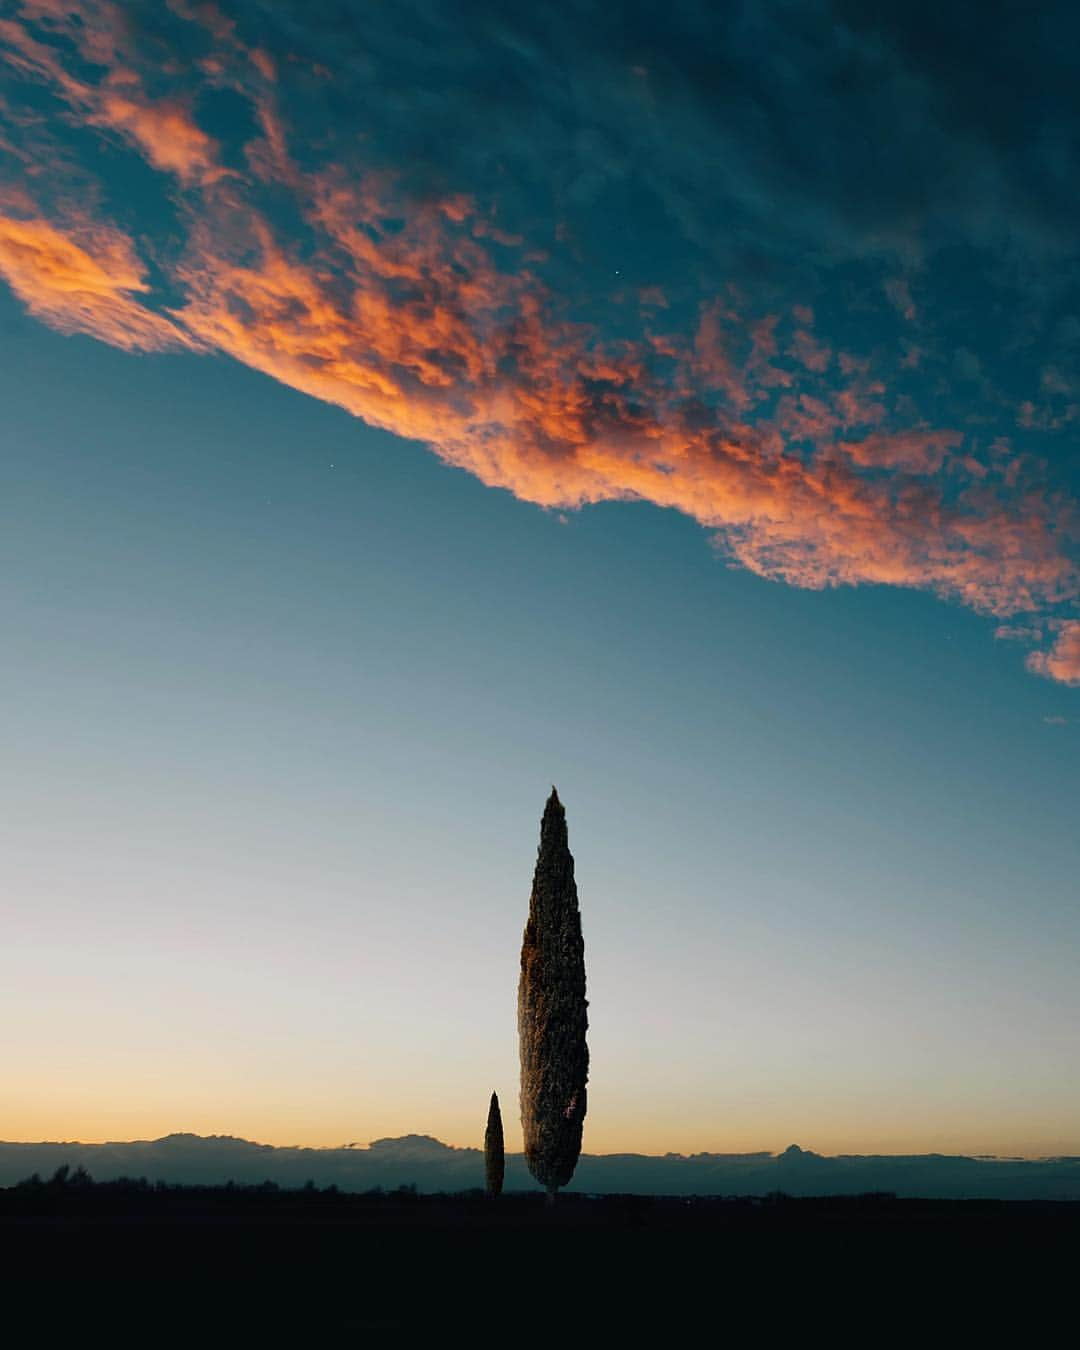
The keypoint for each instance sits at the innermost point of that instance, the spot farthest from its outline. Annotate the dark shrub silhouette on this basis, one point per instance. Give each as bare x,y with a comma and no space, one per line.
494,1159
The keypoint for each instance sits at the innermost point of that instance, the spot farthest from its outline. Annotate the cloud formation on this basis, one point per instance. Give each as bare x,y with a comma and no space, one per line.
340,214
1062,661
83,280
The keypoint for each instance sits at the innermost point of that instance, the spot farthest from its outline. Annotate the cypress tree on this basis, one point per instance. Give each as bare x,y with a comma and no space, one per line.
494,1161
551,1011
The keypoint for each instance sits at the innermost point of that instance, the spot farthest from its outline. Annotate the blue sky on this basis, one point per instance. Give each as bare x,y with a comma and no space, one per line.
285,690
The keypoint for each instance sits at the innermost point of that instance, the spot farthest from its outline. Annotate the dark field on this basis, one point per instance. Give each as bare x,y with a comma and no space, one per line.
225,1266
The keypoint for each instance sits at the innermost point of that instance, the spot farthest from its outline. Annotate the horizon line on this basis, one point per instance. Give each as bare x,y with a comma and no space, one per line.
793,1150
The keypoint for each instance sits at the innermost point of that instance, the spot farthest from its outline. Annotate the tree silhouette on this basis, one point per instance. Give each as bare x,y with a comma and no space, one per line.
494,1159
552,1016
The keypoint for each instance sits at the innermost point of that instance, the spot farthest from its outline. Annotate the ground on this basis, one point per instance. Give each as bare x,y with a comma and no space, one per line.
204,1267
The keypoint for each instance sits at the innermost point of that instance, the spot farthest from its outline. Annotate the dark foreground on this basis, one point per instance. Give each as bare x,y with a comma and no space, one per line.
204,1266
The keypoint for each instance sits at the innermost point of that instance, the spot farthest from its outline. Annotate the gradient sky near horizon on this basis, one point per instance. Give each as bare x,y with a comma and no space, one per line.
407,407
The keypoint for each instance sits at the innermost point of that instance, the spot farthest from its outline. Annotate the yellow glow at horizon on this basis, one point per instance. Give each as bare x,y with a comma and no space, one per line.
71,1111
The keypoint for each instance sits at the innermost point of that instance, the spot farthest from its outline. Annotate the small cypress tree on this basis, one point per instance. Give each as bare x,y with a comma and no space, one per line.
494,1159
552,1016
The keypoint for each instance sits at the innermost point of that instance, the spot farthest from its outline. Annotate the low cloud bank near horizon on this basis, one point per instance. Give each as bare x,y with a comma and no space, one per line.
655,272
431,1166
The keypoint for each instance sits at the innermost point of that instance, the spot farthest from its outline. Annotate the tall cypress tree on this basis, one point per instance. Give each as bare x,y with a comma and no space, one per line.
494,1159
552,1016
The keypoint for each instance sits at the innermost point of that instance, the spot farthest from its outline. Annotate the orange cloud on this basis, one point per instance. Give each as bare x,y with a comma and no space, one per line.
1062,661
411,315
163,130
714,361
85,286
419,333
1018,632
810,353
917,451
859,403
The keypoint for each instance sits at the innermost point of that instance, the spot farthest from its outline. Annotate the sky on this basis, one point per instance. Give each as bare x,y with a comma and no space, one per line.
408,407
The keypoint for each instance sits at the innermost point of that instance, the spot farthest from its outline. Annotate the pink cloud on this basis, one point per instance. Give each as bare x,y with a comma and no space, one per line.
859,403
809,352
1012,632
714,360
1062,661
918,451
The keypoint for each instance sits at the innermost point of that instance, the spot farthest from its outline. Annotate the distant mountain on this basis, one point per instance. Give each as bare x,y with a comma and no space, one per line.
429,1165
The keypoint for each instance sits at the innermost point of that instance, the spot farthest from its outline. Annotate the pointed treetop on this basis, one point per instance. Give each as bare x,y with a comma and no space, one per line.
494,1155
553,825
